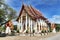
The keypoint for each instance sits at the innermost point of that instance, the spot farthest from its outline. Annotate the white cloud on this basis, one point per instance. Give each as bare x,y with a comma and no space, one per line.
55,19
56,16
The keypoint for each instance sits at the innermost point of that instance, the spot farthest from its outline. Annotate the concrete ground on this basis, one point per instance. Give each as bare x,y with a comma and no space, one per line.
50,36
55,37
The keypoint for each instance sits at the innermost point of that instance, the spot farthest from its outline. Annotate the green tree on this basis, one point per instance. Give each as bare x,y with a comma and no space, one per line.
1,15
6,13
12,13
57,27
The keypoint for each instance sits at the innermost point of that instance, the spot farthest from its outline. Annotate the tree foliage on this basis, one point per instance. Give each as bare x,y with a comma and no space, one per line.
6,13
1,15
12,13
58,27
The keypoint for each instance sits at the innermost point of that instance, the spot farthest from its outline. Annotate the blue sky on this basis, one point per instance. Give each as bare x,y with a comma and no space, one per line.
49,8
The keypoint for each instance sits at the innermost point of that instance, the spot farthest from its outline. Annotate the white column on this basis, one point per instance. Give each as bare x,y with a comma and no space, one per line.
26,21
41,24
35,27
31,26
29,21
21,24
38,24
38,20
45,24
18,26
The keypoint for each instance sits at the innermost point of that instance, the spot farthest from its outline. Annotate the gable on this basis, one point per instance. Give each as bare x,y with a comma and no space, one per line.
33,13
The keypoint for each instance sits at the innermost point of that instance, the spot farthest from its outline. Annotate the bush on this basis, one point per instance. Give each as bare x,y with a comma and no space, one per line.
57,27
43,31
50,30
2,28
17,31
33,31
26,31
15,27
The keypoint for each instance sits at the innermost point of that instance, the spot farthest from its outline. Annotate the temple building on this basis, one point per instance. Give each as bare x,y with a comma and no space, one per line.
30,19
53,27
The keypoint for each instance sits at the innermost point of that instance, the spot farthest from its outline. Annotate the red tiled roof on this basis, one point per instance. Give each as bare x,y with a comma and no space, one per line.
32,12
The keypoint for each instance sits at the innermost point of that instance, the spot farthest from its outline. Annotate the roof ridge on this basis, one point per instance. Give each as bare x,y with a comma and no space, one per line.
38,13
31,11
34,11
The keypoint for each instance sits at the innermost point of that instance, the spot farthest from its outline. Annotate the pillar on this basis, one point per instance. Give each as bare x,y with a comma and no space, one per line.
26,22
31,26
35,27
21,25
39,26
18,25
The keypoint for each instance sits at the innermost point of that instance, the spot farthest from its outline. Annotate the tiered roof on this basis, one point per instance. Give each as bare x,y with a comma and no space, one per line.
32,12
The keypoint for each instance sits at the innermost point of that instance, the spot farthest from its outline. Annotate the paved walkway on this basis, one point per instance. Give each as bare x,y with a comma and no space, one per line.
56,37
50,36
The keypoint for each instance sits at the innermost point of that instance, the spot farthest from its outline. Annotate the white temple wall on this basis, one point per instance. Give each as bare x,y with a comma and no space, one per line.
31,24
